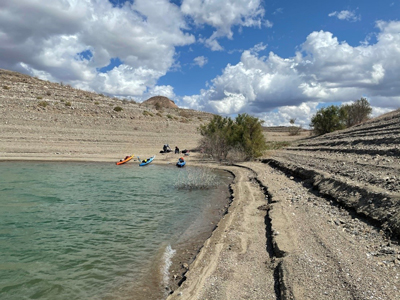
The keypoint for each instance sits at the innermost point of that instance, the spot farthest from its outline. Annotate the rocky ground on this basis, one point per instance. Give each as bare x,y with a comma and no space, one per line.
358,167
318,220
330,211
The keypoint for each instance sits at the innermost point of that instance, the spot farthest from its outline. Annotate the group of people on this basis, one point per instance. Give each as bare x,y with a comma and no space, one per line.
167,149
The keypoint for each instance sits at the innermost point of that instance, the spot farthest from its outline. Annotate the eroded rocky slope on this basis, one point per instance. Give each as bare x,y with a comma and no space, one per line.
358,167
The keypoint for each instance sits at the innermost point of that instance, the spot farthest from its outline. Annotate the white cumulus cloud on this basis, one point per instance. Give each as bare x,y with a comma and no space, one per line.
47,39
200,61
345,15
223,15
323,70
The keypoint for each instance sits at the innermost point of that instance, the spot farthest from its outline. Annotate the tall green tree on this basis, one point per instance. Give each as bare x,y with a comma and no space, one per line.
333,117
357,112
327,119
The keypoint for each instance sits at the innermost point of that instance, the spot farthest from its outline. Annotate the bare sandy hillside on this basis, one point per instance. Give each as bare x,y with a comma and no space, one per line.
43,119
160,102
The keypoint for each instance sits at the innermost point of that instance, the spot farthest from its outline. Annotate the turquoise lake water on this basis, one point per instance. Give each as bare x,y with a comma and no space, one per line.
91,230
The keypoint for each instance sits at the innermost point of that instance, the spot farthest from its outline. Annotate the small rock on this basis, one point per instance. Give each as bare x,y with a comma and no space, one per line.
387,250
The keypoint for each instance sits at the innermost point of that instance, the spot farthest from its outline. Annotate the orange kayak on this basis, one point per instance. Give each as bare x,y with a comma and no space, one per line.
122,161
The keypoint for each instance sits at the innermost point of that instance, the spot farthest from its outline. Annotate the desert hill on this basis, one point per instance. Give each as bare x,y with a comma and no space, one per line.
160,102
52,120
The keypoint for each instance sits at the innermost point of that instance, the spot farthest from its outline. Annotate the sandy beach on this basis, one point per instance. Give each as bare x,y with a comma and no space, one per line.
300,225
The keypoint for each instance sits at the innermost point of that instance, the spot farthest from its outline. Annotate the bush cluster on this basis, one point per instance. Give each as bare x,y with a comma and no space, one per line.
147,113
332,118
43,103
224,135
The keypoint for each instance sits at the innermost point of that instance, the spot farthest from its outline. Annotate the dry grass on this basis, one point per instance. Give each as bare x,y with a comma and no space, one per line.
196,179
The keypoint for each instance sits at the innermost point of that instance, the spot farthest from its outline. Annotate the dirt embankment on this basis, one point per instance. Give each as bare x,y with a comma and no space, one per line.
358,167
281,239
329,209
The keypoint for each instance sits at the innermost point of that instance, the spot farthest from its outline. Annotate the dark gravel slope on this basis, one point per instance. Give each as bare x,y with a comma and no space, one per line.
358,167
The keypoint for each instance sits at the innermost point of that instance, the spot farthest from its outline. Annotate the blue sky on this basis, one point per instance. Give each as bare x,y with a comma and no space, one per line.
276,60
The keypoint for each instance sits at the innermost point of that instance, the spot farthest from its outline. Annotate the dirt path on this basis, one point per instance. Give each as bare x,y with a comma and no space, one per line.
281,240
234,263
329,253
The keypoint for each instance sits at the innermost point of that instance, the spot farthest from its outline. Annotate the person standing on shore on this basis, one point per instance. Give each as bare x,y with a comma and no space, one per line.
176,150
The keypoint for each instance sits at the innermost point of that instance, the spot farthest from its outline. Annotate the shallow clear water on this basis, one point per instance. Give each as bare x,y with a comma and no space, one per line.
89,230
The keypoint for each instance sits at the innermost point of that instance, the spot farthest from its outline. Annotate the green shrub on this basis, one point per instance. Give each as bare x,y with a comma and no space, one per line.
332,118
96,103
158,114
43,103
222,135
68,103
357,112
169,116
6,87
39,97
118,108
277,145
146,113
327,119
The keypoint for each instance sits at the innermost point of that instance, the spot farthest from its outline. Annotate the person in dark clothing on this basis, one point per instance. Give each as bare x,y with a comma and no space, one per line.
166,149
176,150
